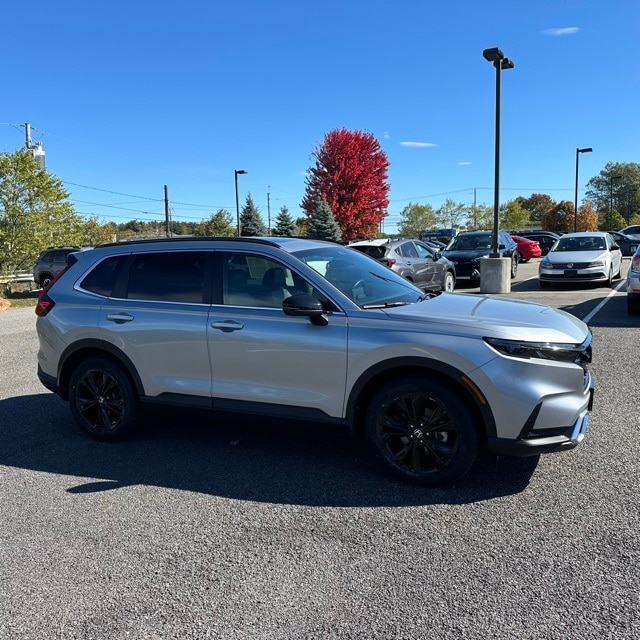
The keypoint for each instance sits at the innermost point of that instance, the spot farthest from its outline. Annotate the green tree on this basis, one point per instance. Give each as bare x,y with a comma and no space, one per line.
219,223
251,223
285,224
415,218
513,215
451,214
482,217
34,211
616,187
322,224
351,175
611,220
94,233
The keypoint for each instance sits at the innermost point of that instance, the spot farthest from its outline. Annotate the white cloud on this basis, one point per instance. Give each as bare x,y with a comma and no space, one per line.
463,163
562,31
418,144
386,135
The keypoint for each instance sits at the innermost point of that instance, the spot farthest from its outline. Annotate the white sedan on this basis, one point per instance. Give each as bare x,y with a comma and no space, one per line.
586,256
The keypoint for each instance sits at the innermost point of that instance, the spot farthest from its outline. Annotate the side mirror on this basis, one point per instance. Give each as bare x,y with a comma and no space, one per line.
303,304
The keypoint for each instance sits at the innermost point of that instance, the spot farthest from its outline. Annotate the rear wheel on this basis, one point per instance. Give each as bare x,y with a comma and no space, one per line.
422,431
102,399
45,280
514,266
449,282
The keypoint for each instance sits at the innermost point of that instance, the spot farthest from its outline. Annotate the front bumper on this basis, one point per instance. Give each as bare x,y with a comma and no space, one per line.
558,440
587,274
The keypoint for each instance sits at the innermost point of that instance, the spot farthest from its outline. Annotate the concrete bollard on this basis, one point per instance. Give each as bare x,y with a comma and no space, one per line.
495,275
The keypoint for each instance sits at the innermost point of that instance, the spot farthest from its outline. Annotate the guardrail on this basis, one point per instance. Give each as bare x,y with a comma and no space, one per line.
17,283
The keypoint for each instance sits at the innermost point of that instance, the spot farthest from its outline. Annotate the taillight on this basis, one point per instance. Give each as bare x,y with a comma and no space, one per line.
44,304
635,264
390,262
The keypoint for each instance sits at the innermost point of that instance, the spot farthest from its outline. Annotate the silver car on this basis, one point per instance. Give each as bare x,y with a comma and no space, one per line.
312,331
582,257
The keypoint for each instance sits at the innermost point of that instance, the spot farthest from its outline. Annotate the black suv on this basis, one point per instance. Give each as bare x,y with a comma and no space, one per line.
544,238
49,263
468,247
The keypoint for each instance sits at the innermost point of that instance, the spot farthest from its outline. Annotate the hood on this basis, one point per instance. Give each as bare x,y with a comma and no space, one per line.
490,316
467,254
563,257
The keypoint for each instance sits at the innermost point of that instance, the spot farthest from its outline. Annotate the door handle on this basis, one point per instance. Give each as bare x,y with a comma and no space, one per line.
119,318
227,325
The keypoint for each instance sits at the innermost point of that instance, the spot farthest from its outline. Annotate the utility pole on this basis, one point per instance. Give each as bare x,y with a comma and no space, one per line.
36,149
269,209
167,219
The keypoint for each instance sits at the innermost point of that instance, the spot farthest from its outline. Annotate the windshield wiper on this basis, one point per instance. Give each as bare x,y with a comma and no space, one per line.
385,305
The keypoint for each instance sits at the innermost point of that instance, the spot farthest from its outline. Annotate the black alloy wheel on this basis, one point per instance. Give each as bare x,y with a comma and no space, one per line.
102,399
422,432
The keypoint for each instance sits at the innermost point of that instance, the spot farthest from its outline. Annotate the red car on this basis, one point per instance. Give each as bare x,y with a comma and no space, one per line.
527,248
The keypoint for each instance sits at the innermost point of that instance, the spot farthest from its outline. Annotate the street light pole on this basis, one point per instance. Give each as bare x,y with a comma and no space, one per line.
611,179
235,175
495,56
575,203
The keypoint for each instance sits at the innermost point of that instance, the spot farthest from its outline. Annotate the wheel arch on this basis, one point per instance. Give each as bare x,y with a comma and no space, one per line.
374,379
89,348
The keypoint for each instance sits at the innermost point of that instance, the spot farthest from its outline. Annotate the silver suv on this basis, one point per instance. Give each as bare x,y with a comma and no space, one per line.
414,260
312,331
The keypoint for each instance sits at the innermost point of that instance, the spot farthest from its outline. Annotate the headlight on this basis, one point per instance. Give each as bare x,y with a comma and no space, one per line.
561,351
546,263
597,263
479,258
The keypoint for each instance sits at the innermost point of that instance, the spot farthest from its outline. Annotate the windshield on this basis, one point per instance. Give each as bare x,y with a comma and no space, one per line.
585,243
476,242
365,281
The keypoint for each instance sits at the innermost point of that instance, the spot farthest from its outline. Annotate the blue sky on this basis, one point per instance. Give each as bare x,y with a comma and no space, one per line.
127,97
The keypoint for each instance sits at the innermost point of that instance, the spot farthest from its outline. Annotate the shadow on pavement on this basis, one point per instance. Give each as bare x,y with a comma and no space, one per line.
278,463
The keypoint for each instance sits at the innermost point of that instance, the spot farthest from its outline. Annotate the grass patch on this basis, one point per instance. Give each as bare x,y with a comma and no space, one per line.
19,299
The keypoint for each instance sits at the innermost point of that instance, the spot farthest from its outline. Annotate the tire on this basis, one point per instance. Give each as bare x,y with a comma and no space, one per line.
422,432
633,306
45,280
449,282
609,280
514,267
102,399
619,274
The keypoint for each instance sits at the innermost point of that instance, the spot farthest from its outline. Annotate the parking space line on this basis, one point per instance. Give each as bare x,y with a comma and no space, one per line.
604,301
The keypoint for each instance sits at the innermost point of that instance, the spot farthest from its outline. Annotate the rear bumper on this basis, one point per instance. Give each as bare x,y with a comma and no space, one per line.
48,381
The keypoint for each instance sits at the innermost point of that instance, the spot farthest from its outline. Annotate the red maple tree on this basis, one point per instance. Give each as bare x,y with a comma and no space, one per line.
350,174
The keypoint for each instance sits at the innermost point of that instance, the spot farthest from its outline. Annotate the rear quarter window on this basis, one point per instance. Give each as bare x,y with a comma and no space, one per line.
103,277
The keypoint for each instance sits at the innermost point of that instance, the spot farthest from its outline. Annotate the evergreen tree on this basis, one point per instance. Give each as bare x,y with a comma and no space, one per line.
322,224
219,224
251,223
285,224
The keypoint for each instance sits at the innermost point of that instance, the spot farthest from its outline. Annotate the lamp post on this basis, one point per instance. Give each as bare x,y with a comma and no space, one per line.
237,172
575,202
611,179
496,57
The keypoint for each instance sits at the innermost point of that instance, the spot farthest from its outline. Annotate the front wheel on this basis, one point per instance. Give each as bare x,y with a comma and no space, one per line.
422,432
102,399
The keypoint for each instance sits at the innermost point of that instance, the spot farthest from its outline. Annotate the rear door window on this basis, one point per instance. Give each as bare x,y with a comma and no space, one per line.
168,276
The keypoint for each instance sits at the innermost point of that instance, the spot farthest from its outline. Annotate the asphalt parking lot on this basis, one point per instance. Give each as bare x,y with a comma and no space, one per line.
251,530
